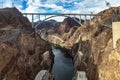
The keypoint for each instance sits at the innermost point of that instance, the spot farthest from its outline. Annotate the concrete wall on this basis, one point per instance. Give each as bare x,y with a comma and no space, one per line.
116,32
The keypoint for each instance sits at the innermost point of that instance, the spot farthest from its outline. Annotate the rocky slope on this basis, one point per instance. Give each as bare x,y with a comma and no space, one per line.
107,16
67,24
94,47
91,46
94,52
11,16
63,33
47,24
22,54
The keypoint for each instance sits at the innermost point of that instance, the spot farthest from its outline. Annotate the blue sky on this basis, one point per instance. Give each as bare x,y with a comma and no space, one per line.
60,6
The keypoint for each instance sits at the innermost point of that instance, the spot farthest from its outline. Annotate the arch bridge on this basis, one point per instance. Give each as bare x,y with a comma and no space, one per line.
45,16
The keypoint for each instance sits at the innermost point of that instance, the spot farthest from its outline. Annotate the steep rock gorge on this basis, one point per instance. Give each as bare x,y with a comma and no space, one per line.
91,46
22,54
94,52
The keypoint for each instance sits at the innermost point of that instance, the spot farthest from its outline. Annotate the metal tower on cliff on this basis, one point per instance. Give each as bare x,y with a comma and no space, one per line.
113,13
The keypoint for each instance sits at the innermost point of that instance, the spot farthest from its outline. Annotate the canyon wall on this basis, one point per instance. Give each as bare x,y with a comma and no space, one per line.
91,46
22,54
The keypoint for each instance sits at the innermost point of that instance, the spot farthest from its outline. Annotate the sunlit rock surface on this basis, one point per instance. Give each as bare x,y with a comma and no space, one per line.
99,60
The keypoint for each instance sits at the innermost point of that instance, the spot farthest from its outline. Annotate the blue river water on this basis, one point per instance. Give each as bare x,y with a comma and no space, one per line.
63,66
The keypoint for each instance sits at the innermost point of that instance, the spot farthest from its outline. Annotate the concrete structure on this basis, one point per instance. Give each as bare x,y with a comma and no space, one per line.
116,32
46,16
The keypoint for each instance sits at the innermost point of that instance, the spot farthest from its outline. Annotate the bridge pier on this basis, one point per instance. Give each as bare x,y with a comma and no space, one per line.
32,20
39,17
80,18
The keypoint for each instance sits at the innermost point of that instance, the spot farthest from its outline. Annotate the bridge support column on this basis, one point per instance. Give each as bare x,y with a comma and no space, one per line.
45,16
39,17
25,15
32,19
90,18
85,19
116,32
80,19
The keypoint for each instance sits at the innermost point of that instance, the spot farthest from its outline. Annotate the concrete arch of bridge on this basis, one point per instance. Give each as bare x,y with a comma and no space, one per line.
55,16
74,18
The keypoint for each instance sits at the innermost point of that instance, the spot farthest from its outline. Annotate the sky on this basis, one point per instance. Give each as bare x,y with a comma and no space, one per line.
60,6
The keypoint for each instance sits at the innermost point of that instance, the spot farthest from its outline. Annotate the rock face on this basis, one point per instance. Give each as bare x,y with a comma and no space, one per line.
99,60
91,47
22,55
95,46
67,24
47,24
62,34
107,16
11,16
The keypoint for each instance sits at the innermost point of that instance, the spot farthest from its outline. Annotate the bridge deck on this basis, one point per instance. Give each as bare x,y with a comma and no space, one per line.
58,14
33,16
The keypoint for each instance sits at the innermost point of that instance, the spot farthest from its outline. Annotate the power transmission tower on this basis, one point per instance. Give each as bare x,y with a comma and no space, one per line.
13,5
108,4
113,13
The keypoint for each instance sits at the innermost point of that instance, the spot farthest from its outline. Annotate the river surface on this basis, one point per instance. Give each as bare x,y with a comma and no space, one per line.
63,66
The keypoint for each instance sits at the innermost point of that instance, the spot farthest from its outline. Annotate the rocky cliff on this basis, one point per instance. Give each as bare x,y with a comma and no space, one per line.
94,52
91,46
67,24
107,16
48,24
62,34
11,16
22,54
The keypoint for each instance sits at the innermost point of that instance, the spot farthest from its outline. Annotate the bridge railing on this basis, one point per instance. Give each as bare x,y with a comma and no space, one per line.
34,17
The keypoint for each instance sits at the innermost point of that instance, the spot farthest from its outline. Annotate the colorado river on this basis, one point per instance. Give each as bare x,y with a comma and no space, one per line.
63,66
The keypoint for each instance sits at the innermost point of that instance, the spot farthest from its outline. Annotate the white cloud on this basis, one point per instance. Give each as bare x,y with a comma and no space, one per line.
7,3
83,7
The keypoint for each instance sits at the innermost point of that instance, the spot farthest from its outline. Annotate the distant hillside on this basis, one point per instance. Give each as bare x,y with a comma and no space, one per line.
68,23
47,24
